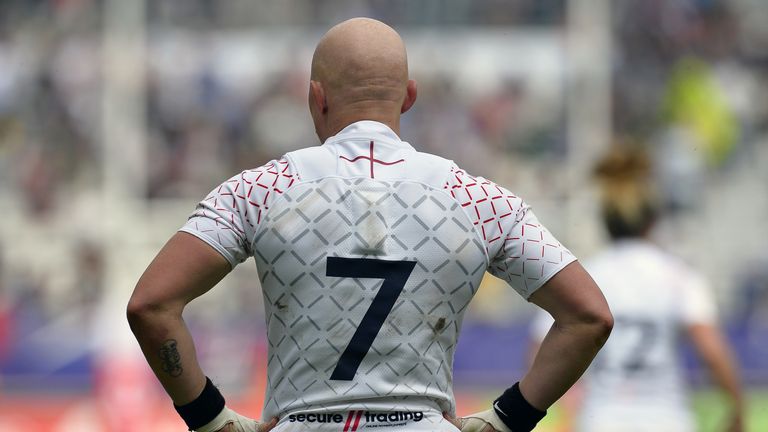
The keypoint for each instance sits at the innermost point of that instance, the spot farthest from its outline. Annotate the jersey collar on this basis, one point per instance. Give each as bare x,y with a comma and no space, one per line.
369,130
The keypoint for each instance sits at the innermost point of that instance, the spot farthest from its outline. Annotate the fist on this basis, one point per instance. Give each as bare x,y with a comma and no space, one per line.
230,421
244,424
470,424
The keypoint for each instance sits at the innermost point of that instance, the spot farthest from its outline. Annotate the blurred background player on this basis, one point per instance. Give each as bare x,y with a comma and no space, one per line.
637,382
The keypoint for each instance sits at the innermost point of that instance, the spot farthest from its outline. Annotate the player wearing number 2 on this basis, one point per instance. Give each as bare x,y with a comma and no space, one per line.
368,254
636,383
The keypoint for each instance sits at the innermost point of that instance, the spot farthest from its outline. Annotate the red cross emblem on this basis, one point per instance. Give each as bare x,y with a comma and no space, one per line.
371,160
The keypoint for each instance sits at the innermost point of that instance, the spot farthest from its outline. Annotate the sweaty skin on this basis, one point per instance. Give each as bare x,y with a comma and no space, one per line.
359,72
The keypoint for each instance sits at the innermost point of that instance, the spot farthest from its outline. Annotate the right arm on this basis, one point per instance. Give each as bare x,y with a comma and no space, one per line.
582,324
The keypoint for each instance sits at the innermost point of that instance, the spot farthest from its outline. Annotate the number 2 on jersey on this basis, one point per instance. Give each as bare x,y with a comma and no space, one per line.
646,334
633,341
395,275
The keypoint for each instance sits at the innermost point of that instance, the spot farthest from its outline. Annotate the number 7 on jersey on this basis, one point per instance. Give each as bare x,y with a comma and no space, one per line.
395,275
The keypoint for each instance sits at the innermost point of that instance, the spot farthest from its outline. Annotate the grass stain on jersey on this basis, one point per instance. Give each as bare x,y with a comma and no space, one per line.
371,229
439,326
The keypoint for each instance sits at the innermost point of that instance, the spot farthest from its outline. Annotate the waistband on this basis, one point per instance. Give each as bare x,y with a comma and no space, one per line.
357,420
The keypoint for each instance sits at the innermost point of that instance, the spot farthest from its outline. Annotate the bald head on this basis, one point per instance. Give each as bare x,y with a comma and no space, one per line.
359,66
361,58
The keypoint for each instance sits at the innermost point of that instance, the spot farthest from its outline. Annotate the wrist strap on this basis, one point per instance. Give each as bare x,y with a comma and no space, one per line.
515,411
204,408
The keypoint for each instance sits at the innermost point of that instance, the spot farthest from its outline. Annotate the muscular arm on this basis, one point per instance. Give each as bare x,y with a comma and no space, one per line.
582,325
184,269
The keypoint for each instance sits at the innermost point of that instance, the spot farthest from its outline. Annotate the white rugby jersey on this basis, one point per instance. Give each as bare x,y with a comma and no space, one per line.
636,382
368,253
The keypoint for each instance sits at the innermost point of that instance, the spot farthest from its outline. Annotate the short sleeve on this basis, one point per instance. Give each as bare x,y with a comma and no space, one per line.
529,255
697,305
520,250
229,217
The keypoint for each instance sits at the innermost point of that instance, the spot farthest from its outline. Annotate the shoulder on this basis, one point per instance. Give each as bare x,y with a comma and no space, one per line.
248,194
429,168
676,266
310,163
657,264
482,196
278,173
259,185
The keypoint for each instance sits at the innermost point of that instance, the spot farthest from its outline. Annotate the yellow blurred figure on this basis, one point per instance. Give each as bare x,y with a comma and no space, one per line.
693,100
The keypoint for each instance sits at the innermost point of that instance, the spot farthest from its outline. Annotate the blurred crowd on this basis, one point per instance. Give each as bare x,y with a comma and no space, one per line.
689,81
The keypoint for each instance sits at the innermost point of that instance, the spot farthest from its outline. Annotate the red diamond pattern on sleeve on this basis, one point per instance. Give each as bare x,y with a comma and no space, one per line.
487,205
229,216
520,250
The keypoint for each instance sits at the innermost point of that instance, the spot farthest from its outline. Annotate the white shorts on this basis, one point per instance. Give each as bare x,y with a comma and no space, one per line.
368,421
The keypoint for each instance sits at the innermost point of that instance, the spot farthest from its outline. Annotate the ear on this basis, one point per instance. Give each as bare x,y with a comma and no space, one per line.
410,96
317,97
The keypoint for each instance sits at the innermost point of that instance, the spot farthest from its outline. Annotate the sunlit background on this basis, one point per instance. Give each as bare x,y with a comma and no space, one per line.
117,116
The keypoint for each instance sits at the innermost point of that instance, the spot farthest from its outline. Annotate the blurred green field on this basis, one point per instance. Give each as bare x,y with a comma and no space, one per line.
708,406
709,409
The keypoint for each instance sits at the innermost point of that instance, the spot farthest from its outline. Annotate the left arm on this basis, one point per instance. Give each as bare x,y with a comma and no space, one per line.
699,318
716,354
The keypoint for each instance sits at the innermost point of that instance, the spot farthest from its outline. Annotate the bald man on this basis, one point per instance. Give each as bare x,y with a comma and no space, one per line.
368,253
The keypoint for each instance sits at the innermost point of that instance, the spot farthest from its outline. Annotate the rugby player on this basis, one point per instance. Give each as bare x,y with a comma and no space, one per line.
637,382
368,254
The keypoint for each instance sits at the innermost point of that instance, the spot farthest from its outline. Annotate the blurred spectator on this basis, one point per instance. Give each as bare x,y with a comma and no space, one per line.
89,278
695,102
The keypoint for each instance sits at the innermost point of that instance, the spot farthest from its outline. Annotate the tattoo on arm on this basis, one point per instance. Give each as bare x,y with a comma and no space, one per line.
171,359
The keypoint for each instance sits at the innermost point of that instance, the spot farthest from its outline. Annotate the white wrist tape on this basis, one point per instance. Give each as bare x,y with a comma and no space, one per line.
227,416
476,422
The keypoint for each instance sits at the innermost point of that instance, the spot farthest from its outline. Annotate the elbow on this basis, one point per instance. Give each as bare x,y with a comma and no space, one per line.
595,324
137,312
602,322
142,311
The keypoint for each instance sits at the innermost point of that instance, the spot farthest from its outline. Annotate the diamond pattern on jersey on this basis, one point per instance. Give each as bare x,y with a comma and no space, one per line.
257,187
230,214
521,250
487,204
453,235
530,255
311,318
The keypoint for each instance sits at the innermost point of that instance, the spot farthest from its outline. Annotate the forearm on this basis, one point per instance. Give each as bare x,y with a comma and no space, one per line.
726,377
719,359
564,355
170,352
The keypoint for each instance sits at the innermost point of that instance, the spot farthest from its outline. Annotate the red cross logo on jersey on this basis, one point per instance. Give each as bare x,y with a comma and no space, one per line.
371,160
